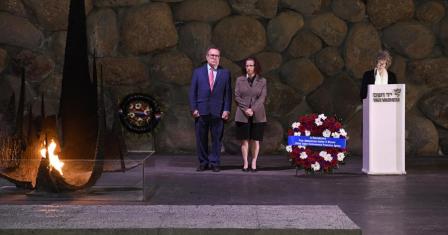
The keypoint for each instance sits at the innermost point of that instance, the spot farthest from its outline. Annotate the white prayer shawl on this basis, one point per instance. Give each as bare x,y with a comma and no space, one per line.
381,80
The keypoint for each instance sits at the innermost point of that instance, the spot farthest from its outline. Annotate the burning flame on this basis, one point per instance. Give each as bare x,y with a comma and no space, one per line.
54,159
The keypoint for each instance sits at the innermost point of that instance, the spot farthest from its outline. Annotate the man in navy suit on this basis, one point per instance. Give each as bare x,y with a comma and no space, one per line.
210,102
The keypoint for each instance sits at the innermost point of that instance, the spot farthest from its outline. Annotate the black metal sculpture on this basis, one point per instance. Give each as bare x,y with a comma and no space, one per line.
79,127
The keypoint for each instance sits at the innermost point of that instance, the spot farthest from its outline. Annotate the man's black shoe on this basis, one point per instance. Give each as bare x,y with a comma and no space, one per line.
216,169
202,168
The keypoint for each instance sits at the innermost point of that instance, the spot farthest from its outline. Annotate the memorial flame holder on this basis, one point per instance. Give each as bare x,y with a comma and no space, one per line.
121,180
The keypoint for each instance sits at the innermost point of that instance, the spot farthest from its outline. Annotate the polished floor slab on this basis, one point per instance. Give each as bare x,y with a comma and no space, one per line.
416,203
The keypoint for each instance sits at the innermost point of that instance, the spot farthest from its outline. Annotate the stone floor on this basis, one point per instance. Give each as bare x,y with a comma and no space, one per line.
416,203
174,219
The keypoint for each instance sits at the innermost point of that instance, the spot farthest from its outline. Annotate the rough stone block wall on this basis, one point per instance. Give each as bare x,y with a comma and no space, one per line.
313,54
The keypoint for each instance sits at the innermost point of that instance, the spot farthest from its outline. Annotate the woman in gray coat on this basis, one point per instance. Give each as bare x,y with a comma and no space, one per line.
250,117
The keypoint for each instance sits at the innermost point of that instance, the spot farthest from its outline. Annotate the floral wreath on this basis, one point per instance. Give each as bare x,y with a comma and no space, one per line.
139,113
313,158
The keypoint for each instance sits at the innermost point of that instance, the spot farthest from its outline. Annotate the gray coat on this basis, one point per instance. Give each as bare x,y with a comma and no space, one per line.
253,97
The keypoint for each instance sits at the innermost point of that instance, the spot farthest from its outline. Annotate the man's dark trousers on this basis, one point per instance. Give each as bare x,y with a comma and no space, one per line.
203,125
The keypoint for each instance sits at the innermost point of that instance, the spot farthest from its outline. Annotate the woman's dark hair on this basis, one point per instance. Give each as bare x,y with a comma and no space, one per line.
257,68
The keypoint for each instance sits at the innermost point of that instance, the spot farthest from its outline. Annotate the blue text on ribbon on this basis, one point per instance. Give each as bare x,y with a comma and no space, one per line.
317,141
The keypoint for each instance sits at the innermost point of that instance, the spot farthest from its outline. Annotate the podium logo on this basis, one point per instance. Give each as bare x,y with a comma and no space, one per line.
397,92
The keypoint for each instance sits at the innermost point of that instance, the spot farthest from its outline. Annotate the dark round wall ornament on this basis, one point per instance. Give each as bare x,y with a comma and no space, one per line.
139,113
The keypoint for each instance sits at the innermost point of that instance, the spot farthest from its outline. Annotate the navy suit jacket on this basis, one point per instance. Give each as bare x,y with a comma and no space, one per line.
203,99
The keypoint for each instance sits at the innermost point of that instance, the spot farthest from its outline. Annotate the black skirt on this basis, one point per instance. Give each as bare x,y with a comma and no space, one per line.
250,130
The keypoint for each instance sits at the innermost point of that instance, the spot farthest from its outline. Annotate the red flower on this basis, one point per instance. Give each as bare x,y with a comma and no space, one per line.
290,132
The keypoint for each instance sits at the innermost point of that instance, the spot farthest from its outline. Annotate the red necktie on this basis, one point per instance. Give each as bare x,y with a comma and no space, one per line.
210,79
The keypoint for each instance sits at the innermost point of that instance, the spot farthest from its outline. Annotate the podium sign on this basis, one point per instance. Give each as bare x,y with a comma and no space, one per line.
384,130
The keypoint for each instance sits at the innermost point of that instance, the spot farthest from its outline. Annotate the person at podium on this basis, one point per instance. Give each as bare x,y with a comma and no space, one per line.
380,75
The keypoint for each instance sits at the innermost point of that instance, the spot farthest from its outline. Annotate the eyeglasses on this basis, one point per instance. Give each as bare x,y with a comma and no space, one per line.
250,65
214,55
381,64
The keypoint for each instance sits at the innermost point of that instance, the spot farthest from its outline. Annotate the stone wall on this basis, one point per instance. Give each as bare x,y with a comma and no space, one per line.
313,54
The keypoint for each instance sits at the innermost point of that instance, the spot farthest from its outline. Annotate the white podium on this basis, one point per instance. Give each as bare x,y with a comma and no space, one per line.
383,146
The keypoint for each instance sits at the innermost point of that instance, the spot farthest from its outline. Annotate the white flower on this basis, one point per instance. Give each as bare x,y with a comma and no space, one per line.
318,122
342,131
335,134
315,166
297,133
328,158
295,125
341,157
322,116
307,132
303,155
138,105
323,153
289,148
301,147
326,133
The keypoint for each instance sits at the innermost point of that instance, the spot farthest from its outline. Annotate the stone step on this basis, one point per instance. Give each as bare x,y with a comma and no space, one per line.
174,219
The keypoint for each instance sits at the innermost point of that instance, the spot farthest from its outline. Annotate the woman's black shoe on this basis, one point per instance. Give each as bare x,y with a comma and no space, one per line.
253,170
245,169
